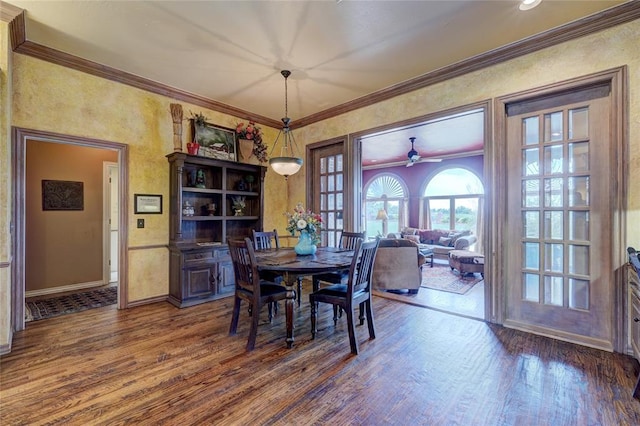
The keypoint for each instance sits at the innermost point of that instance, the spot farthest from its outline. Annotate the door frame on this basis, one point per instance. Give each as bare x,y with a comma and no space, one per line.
616,78
351,179
107,167
19,138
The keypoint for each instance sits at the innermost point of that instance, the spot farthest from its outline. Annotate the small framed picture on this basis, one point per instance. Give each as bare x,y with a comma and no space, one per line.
147,204
215,141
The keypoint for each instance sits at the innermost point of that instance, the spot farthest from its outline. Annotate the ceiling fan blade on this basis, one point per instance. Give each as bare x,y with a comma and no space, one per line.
431,160
410,163
414,158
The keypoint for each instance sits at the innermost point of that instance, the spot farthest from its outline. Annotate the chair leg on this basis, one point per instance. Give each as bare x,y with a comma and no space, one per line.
361,317
370,322
234,316
270,310
336,309
353,342
253,332
299,291
314,312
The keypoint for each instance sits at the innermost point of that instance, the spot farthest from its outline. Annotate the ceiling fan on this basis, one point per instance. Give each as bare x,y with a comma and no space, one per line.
414,157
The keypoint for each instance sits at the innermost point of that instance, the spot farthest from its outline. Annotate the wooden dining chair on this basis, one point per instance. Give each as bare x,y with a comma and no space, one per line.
269,239
250,287
347,241
356,292
265,239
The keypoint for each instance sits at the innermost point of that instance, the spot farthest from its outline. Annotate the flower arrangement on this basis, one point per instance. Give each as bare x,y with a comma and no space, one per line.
304,220
253,133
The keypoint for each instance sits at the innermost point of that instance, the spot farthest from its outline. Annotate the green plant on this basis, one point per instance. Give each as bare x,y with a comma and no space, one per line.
199,118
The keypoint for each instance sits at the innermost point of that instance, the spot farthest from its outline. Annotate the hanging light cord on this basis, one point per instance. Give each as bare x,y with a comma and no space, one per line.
286,74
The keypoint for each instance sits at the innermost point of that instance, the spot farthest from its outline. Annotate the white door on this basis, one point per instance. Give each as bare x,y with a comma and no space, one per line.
111,210
558,268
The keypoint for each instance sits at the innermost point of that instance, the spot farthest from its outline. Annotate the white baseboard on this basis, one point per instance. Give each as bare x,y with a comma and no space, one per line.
63,289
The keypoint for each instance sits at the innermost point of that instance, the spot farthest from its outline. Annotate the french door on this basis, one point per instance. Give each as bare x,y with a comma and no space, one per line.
559,278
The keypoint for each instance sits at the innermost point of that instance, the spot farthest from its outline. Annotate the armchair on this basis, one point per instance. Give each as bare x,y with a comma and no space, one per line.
398,265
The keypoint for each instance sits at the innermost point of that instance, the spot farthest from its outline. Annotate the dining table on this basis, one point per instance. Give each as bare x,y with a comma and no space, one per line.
285,262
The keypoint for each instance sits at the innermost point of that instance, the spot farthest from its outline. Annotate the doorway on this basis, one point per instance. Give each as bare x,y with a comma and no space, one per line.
20,139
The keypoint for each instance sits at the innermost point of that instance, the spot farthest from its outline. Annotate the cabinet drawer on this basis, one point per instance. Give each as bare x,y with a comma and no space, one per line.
222,255
201,255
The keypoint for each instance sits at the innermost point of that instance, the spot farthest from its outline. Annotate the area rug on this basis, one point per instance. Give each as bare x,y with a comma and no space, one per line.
48,308
442,278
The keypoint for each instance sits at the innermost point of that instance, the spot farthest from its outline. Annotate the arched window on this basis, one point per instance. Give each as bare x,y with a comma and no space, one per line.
453,200
386,205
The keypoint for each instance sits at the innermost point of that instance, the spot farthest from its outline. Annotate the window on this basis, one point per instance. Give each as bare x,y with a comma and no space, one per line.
453,201
386,205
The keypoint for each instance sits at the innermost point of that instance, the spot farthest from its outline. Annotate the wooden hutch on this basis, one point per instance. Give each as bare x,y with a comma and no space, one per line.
201,219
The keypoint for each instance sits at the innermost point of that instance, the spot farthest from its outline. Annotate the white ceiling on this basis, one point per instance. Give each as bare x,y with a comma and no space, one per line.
232,51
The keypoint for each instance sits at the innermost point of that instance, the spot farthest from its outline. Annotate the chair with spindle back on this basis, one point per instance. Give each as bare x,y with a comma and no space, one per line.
355,292
269,239
347,241
250,287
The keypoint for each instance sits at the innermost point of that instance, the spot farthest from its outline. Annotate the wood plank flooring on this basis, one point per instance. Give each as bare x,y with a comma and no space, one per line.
159,365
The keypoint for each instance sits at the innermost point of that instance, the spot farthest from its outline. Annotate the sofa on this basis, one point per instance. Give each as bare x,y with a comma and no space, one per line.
439,241
398,265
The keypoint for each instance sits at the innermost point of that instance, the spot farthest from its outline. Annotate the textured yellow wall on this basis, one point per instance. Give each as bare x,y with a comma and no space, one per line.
5,185
601,51
51,98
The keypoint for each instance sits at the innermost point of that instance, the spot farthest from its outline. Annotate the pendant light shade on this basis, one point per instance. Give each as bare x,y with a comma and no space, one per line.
287,163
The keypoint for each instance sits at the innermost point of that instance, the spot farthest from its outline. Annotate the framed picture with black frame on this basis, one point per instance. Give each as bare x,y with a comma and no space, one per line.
62,195
147,204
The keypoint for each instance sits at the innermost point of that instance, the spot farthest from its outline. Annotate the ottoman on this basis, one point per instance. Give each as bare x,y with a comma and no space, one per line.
466,261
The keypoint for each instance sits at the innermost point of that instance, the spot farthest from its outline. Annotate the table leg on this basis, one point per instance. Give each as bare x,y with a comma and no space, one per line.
290,283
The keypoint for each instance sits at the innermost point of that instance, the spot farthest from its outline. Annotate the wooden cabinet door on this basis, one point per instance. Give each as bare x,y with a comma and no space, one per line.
200,281
225,278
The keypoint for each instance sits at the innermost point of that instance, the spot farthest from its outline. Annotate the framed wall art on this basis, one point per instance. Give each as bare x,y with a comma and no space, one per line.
215,141
147,203
62,195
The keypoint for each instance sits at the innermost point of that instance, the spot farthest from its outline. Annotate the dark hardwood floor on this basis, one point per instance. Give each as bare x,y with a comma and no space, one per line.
157,364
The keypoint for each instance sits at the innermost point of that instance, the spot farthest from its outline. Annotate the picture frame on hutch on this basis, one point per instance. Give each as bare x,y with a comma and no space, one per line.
215,141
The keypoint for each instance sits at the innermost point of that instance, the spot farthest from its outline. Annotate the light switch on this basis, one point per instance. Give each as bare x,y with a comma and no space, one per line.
140,223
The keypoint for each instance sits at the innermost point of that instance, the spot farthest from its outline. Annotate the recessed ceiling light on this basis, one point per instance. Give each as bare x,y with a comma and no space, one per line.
528,4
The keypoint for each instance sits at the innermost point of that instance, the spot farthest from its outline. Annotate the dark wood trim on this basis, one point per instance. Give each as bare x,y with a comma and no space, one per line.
17,30
19,138
20,44
149,247
8,11
617,15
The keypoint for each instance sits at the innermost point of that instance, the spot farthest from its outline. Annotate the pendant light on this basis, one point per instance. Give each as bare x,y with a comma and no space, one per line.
287,163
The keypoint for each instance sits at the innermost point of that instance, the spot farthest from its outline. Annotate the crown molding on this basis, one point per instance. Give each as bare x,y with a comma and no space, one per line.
616,15
8,11
20,44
